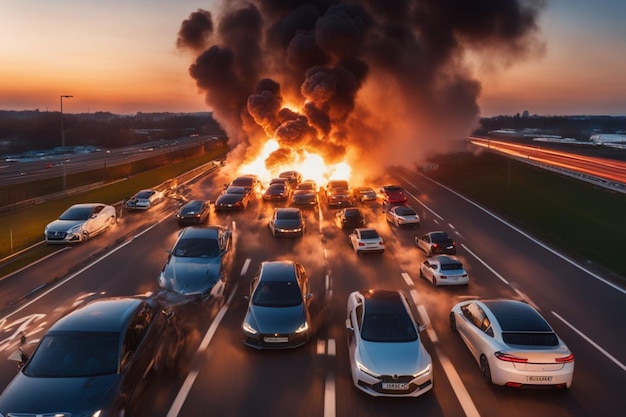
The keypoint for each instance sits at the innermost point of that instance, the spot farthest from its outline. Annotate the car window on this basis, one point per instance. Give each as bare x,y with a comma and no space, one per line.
451,266
277,294
388,327
359,315
476,315
135,333
76,213
74,354
196,248
530,338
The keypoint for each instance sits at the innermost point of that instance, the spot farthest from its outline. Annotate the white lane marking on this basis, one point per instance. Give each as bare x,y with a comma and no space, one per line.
422,204
245,267
485,264
407,279
591,342
181,397
321,346
529,237
455,381
33,263
330,407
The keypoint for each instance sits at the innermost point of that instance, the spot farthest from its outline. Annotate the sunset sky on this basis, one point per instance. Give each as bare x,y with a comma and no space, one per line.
120,56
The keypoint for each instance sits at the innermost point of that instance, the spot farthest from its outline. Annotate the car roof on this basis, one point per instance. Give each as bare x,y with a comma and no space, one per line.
277,271
379,301
203,232
515,316
104,315
446,259
88,205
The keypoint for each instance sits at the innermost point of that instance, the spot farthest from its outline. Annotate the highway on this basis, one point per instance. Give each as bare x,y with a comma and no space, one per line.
220,375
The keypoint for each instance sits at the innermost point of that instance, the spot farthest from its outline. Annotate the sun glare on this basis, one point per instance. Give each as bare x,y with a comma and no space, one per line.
310,165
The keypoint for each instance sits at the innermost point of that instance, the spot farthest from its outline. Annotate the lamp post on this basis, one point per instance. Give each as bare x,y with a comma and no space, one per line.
63,141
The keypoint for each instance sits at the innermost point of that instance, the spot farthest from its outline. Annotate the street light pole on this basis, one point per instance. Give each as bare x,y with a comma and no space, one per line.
63,141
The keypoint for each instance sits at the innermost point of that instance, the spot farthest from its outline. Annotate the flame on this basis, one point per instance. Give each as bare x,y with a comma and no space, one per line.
312,166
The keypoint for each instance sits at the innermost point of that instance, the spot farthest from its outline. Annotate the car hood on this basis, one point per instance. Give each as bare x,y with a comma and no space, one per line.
191,275
276,319
46,395
63,225
393,358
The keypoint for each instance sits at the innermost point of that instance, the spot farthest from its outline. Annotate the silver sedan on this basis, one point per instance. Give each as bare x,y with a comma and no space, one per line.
444,270
402,215
387,357
513,344
80,222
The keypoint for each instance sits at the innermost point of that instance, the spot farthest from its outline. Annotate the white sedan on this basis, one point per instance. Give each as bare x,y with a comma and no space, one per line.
80,222
513,344
144,200
444,270
366,240
402,215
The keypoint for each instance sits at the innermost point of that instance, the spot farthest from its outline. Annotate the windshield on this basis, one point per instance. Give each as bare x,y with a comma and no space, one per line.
74,354
196,248
277,294
76,213
144,194
390,327
288,215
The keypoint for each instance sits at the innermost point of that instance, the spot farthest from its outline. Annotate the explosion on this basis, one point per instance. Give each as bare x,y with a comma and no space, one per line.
320,86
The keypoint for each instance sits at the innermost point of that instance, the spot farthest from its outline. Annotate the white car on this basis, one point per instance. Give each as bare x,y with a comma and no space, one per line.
513,344
444,270
364,239
144,200
402,215
387,357
80,222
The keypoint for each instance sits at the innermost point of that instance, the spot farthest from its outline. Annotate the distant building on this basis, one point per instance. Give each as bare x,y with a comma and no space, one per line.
525,114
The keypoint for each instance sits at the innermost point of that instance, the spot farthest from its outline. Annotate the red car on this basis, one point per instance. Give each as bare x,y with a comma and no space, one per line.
393,194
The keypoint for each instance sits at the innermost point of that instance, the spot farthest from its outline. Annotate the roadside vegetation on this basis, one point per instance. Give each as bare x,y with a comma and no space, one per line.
22,227
584,221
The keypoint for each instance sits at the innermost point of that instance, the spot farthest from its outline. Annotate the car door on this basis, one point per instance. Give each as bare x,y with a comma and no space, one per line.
96,221
140,348
472,328
427,270
354,322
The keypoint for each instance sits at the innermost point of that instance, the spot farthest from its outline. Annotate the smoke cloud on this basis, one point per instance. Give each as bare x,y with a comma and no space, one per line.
381,83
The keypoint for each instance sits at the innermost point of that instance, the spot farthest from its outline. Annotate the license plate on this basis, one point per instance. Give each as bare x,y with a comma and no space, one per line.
272,339
539,379
395,386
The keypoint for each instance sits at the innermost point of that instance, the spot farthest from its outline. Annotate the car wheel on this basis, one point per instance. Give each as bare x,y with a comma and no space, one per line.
484,368
85,235
435,281
453,323
111,222
397,223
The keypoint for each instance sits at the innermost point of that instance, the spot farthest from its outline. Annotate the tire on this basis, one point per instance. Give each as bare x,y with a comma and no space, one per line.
435,281
453,323
485,370
85,235
111,222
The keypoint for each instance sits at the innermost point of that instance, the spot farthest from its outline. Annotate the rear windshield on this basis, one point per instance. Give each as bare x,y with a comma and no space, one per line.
369,234
530,339
405,211
451,266
295,215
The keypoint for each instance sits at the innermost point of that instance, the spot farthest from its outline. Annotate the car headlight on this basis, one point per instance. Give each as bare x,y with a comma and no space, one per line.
364,369
75,229
247,327
303,328
424,371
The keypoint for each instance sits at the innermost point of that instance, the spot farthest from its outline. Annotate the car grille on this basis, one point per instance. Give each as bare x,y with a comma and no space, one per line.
56,235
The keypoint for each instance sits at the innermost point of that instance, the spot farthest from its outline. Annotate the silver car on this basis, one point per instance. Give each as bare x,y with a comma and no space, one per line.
402,215
387,357
80,222
513,344
199,263
144,200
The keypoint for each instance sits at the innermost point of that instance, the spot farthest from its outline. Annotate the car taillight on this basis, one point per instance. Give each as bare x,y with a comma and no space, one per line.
566,359
510,358
435,246
443,277
381,242
361,244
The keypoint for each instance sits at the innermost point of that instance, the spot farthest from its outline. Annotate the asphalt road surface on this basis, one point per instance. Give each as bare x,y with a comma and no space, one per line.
219,375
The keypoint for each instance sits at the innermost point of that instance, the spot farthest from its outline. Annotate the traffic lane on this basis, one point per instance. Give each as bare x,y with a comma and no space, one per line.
241,379
512,266
18,287
539,274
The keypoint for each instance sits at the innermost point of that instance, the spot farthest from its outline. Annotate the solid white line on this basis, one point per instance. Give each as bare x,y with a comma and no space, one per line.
425,319
419,202
592,343
330,407
486,266
182,394
321,347
35,262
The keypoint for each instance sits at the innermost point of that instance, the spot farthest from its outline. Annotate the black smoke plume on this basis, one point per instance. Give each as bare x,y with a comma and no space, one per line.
383,82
